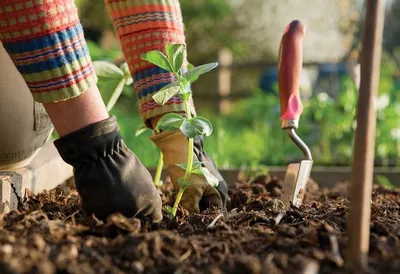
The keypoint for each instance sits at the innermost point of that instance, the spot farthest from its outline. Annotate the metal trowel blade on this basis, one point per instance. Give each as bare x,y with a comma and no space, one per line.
295,183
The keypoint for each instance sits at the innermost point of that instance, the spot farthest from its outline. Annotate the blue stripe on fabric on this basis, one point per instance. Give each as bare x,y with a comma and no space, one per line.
43,41
51,51
53,63
151,90
149,73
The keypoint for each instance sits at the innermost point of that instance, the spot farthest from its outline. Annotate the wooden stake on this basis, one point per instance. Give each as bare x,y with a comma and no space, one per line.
363,161
225,60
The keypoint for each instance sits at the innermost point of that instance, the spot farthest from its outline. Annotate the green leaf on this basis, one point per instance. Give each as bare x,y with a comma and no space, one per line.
116,94
190,66
129,91
193,74
170,211
197,171
159,59
129,80
166,93
176,54
107,70
185,96
195,165
140,129
170,122
202,125
211,179
188,129
124,67
183,166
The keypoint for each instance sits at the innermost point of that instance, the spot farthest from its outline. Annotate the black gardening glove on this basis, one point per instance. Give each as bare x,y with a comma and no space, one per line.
209,163
108,176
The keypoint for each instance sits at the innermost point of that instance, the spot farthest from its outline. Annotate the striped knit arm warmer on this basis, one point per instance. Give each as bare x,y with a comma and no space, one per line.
45,41
142,26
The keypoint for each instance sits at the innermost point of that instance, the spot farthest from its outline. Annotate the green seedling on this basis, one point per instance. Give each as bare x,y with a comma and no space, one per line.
157,178
118,76
191,126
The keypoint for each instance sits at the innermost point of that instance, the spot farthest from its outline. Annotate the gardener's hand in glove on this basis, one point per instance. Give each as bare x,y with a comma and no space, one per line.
200,194
108,176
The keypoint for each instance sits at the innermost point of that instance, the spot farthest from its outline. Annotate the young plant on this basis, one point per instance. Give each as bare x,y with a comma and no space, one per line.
117,77
190,126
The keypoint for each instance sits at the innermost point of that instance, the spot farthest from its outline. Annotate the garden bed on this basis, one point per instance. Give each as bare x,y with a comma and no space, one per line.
51,234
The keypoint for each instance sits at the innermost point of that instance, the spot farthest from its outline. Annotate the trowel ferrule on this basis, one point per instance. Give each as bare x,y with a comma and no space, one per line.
286,124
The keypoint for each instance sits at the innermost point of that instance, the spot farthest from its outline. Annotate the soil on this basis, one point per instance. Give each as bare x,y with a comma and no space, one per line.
50,234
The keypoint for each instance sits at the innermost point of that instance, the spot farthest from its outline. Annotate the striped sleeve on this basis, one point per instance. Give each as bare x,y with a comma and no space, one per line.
45,40
142,26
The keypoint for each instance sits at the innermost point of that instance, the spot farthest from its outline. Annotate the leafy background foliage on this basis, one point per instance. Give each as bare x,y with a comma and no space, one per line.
251,134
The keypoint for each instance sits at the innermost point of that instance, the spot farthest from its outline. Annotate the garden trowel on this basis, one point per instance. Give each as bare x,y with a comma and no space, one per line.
289,70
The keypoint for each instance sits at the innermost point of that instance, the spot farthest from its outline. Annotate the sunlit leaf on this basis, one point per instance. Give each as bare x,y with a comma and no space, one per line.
170,211
140,129
193,74
116,94
202,125
175,54
185,96
190,66
107,70
189,130
170,122
128,76
166,93
211,179
183,166
195,165
159,59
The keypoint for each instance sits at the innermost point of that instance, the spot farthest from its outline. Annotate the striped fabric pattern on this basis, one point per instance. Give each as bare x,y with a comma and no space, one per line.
45,40
142,26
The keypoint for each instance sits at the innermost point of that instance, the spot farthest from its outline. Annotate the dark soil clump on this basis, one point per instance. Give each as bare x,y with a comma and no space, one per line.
50,234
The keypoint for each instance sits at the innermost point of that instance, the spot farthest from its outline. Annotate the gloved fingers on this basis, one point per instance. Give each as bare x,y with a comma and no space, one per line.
156,216
211,198
152,205
222,189
191,198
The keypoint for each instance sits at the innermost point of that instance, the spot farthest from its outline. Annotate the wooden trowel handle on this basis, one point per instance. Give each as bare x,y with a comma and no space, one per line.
289,70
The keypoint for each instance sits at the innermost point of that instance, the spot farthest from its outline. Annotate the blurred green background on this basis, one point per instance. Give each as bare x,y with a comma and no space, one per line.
249,134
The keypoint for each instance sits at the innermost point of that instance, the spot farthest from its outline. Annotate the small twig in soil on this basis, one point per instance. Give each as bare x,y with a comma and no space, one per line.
219,216
233,212
72,216
196,249
311,267
185,256
335,250
279,218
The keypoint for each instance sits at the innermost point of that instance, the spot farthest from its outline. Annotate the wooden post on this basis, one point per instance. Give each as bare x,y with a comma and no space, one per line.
224,80
363,161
